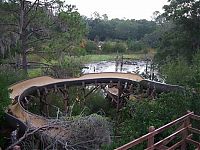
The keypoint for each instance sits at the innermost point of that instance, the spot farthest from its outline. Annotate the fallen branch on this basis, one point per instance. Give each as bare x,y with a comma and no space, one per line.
26,134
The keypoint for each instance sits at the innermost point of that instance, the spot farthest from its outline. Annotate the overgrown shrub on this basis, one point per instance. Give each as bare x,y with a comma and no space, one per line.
11,75
177,72
120,47
146,113
91,47
96,102
68,67
114,47
4,94
108,47
135,46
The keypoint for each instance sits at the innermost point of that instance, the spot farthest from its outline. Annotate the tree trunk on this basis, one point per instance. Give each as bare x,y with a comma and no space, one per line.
22,35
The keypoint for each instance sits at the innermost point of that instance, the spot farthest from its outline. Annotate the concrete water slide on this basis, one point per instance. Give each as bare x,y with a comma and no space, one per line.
22,89
17,114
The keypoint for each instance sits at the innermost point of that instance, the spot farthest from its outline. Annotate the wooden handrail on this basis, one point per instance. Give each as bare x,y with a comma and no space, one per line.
172,135
193,130
195,117
161,129
193,142
155,132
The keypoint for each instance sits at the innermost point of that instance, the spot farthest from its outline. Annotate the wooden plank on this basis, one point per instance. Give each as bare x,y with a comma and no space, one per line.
55,88
158,144
150,141
193,130
175,122
188,140
38,93
178,144
162,147
195,117
134,142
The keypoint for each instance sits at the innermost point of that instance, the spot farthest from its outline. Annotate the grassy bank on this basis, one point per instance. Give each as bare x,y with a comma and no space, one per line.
109,57
81,60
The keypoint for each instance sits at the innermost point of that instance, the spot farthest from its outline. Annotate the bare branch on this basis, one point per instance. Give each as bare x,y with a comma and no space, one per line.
36,2
28,133
8,24
40,39
33,17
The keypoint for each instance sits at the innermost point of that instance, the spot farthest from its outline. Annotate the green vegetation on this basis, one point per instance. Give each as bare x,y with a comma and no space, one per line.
111,57
59,41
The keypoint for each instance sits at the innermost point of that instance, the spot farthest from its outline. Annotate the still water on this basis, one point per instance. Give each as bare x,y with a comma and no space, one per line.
138,66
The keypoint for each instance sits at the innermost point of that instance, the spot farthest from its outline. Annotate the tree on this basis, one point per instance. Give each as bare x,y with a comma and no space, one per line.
186,16
66,37
23,14
34,22
118,29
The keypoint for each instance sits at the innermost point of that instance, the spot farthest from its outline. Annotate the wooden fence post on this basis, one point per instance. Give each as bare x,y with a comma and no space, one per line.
151,138
185,133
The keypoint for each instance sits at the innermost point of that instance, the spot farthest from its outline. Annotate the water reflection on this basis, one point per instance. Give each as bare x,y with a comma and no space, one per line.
143,68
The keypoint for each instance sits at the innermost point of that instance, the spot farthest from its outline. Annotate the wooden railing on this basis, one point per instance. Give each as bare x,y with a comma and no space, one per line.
184,130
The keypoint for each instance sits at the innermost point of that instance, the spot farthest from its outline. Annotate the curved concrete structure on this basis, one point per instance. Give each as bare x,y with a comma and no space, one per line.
20,90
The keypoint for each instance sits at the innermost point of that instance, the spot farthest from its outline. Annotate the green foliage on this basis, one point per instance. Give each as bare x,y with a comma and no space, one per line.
114,47
183,38
8,76
146,113
177,72
11,75
4,94
120,47
135,46
91,47
117,29
108,47
65,67
96,102
196,70
54,28
34,73
180,72
171,44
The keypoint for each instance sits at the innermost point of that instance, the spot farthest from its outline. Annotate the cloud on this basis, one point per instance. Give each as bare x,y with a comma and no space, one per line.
130,9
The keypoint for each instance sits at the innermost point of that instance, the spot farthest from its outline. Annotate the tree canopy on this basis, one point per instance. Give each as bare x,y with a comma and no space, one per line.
28,26
183,38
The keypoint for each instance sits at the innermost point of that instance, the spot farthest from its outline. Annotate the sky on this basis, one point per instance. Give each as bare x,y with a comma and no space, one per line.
128,9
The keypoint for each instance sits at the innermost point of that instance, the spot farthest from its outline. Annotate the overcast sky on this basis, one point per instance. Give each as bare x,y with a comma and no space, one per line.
129,9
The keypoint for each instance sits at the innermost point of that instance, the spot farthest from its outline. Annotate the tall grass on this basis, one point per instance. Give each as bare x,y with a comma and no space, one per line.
110,57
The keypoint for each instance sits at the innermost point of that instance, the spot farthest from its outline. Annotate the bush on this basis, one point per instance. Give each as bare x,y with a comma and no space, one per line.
108,47
135,46
120,47
114,47
177,72
68,67
11,75
4,94
145,113
96,103
196,71
91,47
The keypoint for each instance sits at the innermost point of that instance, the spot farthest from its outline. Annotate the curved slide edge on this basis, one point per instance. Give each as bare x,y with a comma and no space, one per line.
21,89
16,114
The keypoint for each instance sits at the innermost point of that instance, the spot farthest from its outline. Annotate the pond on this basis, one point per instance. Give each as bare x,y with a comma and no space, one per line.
141,67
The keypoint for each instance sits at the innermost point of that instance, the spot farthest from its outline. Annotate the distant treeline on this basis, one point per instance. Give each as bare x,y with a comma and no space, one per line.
103,29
